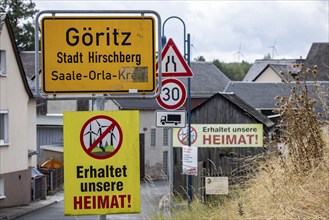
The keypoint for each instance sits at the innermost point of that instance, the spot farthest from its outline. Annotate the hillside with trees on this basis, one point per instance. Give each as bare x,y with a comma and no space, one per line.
234,71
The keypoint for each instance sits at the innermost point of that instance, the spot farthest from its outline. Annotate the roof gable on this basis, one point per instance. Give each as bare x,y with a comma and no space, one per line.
259,66
248,110
4,20
319,55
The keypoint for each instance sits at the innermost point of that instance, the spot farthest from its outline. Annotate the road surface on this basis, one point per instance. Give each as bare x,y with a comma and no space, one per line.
151,193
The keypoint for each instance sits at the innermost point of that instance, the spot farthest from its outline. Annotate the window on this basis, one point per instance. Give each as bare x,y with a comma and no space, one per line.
3,127
2,62
165,136
2,188
153,137
165,162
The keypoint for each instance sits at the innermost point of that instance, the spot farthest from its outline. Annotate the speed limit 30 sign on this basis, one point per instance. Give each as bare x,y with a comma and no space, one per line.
172,95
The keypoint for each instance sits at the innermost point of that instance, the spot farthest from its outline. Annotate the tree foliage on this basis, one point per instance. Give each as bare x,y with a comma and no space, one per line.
21,15
234,71
267,57
200,58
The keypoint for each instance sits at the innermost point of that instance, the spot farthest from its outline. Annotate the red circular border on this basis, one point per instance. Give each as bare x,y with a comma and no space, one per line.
180,103
84,127
196,135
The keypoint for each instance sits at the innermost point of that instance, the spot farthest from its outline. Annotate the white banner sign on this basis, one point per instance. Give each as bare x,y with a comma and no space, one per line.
216,185
190,160
220,135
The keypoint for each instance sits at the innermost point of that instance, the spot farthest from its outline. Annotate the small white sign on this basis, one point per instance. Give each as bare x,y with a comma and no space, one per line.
170,119
216,185
190,160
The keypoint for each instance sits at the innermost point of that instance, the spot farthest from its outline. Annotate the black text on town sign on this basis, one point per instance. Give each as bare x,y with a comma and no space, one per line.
74,37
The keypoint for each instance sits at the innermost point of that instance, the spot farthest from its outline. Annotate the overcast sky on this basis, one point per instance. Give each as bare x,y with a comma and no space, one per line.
221,29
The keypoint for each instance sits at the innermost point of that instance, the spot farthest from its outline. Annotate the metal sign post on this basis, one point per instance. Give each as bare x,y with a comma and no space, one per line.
187,57
98,105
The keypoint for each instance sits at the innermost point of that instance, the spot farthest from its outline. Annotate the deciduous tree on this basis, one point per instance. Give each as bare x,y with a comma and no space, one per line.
21,15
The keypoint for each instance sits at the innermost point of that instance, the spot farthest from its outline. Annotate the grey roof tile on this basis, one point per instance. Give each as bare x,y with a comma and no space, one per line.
319,55
262,95
28,58
207,80
247,108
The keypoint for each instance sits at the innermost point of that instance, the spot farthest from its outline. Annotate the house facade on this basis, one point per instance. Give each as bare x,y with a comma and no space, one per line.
265,71
17,123
270,70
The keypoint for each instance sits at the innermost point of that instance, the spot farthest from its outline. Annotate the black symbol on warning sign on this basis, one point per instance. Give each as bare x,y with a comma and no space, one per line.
168,62
101,137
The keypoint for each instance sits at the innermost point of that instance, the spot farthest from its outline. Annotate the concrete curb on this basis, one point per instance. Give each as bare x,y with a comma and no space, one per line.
13,213
18,211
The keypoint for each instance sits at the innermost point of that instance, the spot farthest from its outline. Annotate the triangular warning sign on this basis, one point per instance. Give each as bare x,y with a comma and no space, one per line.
173,63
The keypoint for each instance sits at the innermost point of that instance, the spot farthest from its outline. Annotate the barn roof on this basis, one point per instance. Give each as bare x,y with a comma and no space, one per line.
240,103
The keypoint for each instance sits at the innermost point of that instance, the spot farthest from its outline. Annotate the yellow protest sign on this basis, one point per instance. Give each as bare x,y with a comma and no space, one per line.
101,162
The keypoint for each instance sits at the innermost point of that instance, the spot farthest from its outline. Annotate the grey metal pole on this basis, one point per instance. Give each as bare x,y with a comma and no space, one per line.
187,57
170,154
98,105
189,177
171,169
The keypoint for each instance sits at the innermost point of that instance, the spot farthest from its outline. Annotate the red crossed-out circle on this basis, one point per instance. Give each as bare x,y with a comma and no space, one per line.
182,135
101,137
168,86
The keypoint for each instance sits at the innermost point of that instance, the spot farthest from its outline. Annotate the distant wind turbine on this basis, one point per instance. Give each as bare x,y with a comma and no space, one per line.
238,53
274,49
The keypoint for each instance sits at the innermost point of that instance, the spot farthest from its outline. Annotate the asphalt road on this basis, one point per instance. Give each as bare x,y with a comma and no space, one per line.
151,193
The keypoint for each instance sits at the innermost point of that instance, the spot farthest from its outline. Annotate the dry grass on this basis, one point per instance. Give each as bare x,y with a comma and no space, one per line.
294,186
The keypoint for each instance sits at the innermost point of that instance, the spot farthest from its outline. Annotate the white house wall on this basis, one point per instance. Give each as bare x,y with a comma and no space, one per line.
16,100
15,162
32,137
268,76
153,154
60,106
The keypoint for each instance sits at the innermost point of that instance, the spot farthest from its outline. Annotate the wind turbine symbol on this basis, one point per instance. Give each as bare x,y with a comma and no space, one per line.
99,133
239,53
112,137
274,49
90,132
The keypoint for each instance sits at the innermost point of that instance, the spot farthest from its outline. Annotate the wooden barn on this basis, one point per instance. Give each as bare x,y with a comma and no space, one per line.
221,108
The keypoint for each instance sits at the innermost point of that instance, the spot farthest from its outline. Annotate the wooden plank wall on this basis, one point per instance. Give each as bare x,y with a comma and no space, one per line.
214,161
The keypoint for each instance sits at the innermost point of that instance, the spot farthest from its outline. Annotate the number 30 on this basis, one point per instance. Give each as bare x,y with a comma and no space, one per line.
171,94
